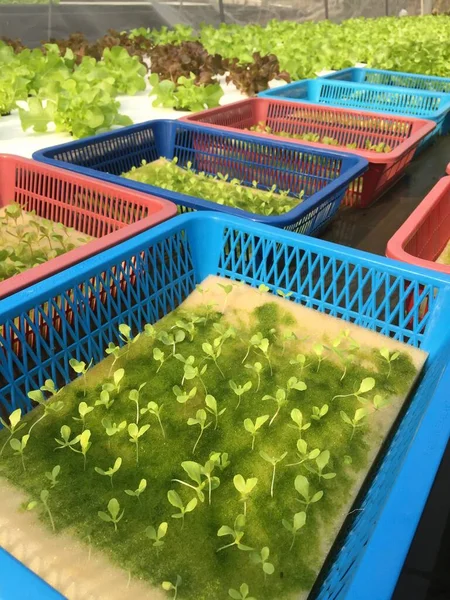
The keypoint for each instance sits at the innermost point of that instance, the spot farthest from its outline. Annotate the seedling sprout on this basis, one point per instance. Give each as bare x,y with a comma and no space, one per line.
318,413
127,337
303,454
318,351
52,476
135,433
357,421
211,407
245,488
47,407
227,288
157,535
160,357
200,419
389,358
85,444
253,428
300,360
301,485
273,460
299,521
111,471
83,411
237,533
295,384
240,390
114,516
14,426
44,496
365,386
138,491
155,410
281,400
262,558
241,594
168,586
112,428
256,368
19,447
81,368
65,441
321,462
172,339
177,502
134,396
182,395
212,353
113,350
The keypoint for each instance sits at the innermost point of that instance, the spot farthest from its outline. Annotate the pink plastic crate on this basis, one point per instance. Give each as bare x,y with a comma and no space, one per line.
102,210
424,235
348,126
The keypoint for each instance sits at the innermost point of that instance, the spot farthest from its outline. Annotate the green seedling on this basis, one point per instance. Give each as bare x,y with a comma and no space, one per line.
262,558
262,289
150,331
241,594
49,387
200,419
49,408
280,399
114,516
389,358
52,475
240,390
225,331
137,492
111,471
211,407
365,386
253,428
284,294
343,354
318,351
257,370
220,459
379,402
188,327
295,384
227,288
134,396
318,413
182,395
213,353
321,462
172,339
177,502
81,368
245,488
105,400
298,523
160,357
126,336
357,421
237,533
194,471
299,360
112,428
19,447
113,350
254,343
273,460
83,411
168,586
287,336
44,495
301,485
347,459
303,454
13,426
190,371
297,418
85,444
207,470
65,441
114,386
135,434
157,535
154,409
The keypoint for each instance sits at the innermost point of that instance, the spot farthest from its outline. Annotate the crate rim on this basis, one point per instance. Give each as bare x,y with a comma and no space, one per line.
387,72
43,289
352,172
395,246
33,274
373,157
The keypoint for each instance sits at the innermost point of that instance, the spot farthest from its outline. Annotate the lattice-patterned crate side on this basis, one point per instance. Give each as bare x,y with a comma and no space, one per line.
392,78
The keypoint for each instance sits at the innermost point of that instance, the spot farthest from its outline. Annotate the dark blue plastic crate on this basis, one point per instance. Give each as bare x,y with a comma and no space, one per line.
324,176
368,96
77,313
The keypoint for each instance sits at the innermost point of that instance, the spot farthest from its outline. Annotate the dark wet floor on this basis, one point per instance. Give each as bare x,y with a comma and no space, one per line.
426,573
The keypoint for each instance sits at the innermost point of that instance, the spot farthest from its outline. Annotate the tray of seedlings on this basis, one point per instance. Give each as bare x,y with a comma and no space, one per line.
401,101
276,182
52,218
387,143
222,410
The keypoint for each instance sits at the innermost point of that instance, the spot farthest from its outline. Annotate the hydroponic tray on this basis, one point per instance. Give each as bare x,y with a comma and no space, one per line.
345,127
323,176
109,213
370,97
143,279
413,81
425,234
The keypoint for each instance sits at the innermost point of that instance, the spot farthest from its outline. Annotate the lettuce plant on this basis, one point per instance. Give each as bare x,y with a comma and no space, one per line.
262,558
85,445
303,454
212,408
134,396
357,421
113,515
172,339
12,426
200,419
138,491
240,390
273,460
52,475
83,411
321,462
241,594
65,441
389,358
298,522
48,408
245,488
177,502
301,485
318,413
280,400
154,409
183,396
19,447
297,418
168,586
213,352
157,535
236,532
159,356
366,385
253,428
111,428
135,434
81,368
111,471
184,94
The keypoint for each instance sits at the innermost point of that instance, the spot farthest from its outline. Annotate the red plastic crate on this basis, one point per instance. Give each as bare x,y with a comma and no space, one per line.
403,134
102,210
424,235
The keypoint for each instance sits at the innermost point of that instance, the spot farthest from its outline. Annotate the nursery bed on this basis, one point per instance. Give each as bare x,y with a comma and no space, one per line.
343,127
348,284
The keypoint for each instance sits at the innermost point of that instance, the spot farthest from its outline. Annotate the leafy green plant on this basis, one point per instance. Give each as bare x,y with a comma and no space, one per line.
256,368
111,471
236,532
262,558
13,426
172,339
321,462
44,497
245,488
48,408
154,409
299,360
111,428
127,337
297,524
184,94
318,351
52,475
240,390
280,399
297,418
83,411
211,407
379,402
301,485
241,594
113,515
213,352
253,428
113,350
389,358
318,413
85,445
65,441
134,396
227,288
138,491
19,447
357,421
182,395
157,535
366,385
177,502
160,357
200,419
81,368
304,454
273,460
135,434
295,384
168,586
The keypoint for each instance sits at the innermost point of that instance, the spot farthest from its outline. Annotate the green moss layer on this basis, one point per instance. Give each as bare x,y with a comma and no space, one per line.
191,552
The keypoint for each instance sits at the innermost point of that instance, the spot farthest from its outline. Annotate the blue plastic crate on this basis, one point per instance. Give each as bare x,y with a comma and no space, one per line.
412,81
368,96
324,176
77,312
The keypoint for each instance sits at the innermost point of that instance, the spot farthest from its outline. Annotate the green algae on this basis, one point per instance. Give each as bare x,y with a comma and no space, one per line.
191,551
